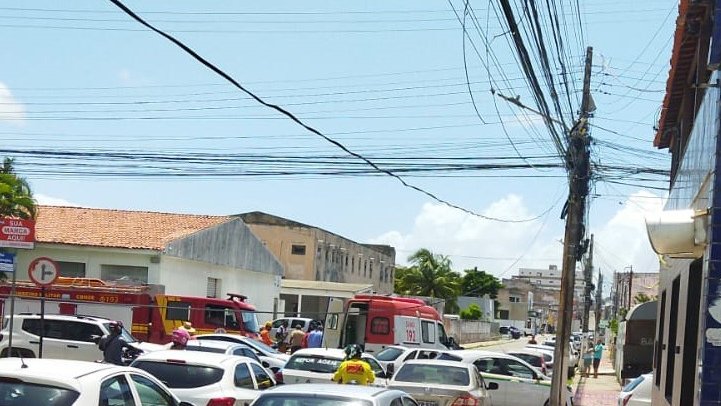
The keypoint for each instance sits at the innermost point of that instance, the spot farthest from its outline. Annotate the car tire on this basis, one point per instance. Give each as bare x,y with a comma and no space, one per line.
18,352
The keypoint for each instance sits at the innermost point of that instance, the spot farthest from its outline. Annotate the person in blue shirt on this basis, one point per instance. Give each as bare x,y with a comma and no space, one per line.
315,338
597,355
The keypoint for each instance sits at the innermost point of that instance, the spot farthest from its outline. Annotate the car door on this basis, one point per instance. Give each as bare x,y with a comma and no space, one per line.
525,389
263,380
63,340
149,393
491,371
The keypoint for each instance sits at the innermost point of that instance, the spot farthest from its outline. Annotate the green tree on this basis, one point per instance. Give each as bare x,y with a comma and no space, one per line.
16,198
429,275
478,283
472,312
642,298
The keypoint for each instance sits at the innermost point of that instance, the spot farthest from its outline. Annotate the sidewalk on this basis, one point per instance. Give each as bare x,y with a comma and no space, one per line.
601,391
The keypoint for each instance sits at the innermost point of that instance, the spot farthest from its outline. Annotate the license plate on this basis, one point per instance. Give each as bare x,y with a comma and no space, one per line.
426,403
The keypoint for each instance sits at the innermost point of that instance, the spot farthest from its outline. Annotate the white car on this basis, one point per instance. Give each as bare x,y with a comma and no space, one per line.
318,365
637,392
572,355
66,337
433,382
203,378
332,395
396,355
518,382
53,382
270,357
225,347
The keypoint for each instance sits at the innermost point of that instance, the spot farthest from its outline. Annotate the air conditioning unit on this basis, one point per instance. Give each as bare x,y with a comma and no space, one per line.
678,233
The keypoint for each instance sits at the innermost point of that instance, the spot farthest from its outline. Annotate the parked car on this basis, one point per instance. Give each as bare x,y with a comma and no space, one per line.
207,379
510,331
317,365
637,392
572,355
535,358
332,395
396,355
269,356
518,382
65,337
54,382
223,347
303,322
548,355
433,382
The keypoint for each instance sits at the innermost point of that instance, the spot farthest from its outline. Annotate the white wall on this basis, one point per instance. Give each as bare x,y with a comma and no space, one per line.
92,257
185,277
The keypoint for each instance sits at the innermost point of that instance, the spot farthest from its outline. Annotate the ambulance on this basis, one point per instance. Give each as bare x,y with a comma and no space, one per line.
376,321
149,313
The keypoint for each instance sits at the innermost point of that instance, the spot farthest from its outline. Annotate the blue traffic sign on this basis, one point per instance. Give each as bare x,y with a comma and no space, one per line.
6,262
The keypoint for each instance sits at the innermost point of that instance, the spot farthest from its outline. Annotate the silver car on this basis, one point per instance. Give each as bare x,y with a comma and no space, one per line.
442,383
333,395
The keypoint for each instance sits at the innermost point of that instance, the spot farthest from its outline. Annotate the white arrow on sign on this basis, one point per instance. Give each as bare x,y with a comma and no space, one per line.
43,271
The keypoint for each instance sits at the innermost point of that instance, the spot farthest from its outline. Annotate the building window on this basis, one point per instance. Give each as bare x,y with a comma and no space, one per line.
346,260
514,299
71,269
124,273
213,288
380,325
365,268
352,265
370,270
297,249
503,314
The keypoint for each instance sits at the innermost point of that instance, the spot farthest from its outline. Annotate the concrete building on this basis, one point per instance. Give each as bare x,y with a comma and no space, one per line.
549,278
313,254
194,255
627,285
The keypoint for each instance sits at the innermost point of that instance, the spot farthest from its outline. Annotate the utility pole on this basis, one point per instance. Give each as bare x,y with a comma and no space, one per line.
588,286
630,285
599,300
577,164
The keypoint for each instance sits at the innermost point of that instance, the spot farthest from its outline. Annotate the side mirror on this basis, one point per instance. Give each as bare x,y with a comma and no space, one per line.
390,369
492,386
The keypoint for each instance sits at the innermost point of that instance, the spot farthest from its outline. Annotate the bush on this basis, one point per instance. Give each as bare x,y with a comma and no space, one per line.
472,312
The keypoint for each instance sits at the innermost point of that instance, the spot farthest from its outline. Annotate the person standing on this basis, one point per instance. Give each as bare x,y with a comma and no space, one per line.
354,369
296,339
179,339
315,338
265,334
112,344
281,335
587,358
597,355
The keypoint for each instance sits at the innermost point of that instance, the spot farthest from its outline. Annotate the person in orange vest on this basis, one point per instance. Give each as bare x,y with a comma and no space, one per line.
354,369
265,334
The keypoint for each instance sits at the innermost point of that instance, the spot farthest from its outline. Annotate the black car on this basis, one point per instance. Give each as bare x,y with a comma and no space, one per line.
512,331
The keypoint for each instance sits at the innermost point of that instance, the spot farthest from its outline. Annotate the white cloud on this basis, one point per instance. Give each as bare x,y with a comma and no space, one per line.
496,247
10,108
46,200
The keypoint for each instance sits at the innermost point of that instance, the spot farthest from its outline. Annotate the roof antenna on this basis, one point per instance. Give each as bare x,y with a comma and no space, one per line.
23,365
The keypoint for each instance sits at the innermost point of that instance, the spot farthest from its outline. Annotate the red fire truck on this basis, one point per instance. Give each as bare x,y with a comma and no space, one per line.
151,314
376,321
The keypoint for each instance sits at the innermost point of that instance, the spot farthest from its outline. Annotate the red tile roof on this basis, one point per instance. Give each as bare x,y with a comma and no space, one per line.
117,228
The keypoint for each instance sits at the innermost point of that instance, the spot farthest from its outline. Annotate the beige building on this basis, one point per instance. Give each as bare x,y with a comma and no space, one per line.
311,253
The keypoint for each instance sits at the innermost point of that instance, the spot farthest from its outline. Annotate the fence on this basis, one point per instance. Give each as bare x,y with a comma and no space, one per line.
467,331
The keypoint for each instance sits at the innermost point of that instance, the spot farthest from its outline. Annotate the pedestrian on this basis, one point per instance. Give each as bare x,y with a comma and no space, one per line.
179,339
281,336
315,338
354,369
112,344
265,334
597,355
533,340
587,359
296,339
304,343
188,326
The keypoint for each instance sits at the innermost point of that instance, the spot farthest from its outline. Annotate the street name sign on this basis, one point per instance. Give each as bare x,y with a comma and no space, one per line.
16,233
6,262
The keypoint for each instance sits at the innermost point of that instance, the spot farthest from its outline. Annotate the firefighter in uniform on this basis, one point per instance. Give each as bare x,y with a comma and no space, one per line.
354,369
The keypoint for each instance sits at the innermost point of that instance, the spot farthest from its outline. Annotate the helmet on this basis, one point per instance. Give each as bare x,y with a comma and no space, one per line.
180,337
353,351
116,326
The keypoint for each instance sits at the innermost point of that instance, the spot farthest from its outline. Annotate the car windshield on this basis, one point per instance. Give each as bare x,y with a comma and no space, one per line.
313,363
250,321
204,348
633,384
433,374
180,375
14,392
125,334
534,360
259,345
298,399
389,354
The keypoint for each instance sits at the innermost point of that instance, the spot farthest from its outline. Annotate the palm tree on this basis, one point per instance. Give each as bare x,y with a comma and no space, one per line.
16,198
430,275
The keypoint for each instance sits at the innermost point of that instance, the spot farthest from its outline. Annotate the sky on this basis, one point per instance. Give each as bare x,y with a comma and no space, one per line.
100,112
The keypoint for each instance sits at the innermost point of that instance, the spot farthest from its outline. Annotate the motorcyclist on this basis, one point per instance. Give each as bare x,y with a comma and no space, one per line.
179,339
112,344
354,369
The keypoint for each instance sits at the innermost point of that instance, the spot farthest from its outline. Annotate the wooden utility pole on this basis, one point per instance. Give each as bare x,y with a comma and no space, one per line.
630,287
577,164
